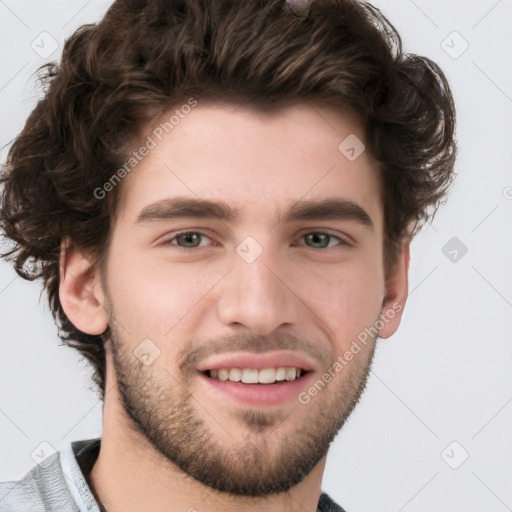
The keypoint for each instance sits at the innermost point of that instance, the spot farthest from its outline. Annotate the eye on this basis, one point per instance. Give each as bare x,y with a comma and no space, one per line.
187,237
322,239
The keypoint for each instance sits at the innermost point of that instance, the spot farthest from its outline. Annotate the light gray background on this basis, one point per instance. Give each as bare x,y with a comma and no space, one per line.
445,376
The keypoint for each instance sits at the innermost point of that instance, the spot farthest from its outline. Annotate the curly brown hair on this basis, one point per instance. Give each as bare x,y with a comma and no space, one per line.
145,56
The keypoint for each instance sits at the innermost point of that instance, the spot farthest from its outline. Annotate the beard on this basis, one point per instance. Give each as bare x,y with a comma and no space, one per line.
271,458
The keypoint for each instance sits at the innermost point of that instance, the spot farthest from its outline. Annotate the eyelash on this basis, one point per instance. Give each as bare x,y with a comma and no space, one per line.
342,243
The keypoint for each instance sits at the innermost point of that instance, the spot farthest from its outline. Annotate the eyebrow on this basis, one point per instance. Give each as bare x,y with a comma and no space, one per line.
189,207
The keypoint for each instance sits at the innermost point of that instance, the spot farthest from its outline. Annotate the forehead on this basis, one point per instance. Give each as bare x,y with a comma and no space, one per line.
252,160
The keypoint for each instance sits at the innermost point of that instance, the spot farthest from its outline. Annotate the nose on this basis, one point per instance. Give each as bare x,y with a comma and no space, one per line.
259,294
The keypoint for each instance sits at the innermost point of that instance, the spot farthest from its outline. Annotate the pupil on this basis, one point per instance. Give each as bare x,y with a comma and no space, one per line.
188,236
313,237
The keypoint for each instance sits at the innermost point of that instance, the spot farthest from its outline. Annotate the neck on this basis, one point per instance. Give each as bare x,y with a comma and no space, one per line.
139,479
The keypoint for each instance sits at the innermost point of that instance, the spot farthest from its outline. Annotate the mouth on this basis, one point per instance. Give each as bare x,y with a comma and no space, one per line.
266,376
269,386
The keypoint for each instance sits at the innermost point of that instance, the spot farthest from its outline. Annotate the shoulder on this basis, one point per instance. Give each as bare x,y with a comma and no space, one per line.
326,504
42,488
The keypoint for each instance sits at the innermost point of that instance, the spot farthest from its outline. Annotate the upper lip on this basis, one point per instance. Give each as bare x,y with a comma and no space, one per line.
258,361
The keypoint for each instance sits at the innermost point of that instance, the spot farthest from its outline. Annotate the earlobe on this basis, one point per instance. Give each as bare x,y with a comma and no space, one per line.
395,297
80,291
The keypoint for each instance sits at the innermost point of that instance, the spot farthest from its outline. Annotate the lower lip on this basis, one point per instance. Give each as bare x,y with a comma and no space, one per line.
261,394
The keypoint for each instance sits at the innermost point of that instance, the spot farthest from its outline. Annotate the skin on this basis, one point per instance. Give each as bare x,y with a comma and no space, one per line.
297,293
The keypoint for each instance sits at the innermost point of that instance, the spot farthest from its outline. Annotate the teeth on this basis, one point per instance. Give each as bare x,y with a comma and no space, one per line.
267,376
254,376
290,374
235,374
250,376
281,373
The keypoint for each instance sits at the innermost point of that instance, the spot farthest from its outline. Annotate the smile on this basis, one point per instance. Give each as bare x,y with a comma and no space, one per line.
246,386
255,376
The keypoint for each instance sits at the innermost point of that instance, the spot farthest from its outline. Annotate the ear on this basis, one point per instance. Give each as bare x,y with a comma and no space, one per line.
80,291
395,296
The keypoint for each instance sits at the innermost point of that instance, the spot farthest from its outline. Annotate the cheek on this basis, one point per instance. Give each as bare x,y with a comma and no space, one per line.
347,299
153,296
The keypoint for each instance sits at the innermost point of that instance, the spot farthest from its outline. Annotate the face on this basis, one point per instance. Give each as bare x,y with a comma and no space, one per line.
282,268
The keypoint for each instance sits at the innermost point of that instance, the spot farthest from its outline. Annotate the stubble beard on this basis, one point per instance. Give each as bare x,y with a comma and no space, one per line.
273,454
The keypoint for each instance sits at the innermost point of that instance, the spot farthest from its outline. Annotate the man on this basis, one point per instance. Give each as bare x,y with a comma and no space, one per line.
221,198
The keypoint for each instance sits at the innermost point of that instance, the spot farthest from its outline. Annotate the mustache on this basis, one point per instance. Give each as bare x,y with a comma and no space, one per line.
195,352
